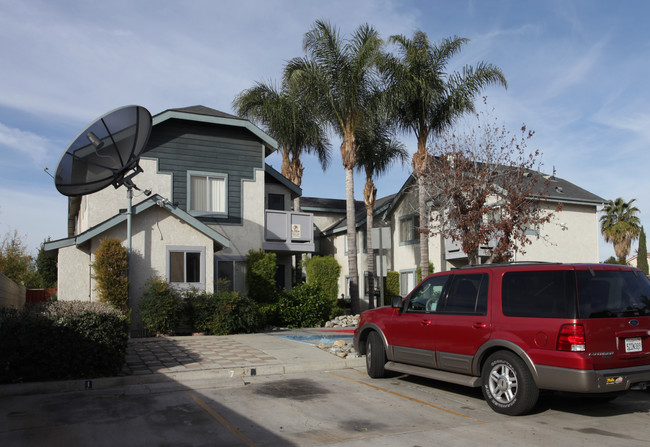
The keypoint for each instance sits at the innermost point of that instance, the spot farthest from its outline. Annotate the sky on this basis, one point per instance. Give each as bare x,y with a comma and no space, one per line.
578,74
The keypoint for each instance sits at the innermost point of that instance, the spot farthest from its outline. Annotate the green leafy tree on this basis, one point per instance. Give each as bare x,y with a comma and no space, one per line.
642,253
620,225
290,121
338,78
110,272
15,261
46,268
378,150
427,98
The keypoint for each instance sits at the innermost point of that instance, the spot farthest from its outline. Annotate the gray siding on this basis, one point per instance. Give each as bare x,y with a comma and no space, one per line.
182,146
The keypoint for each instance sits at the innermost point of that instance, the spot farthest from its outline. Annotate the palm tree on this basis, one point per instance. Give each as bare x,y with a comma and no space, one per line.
377,152
620,225
287,119
339,78
427,100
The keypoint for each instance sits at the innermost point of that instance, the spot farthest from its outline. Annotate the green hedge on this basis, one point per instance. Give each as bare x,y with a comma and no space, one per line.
304,306
392,286
324,272
260,276
62,340
222,313
161,307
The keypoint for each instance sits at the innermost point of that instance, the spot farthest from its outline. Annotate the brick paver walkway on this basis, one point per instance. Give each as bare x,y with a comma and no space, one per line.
177,354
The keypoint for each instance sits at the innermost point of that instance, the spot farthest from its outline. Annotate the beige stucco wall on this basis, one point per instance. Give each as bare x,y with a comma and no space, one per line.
571,236
74,281
154,231
250,234
104,204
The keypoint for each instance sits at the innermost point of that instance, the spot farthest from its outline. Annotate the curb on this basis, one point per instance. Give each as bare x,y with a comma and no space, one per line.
184,377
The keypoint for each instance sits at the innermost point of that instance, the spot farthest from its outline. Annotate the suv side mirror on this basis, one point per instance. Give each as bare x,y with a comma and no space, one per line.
396,302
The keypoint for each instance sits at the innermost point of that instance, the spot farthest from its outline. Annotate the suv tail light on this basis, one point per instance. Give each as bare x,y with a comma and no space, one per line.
572,338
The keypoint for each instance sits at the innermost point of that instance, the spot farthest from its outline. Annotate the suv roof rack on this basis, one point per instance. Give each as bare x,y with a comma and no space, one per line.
500,264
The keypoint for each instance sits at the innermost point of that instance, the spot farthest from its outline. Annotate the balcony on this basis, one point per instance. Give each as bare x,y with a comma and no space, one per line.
454,251
288,231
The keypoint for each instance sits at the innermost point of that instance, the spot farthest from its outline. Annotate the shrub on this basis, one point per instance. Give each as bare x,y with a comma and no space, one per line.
392,286
110,271
324,272
260,276
62,340
161,308
304,306
222,312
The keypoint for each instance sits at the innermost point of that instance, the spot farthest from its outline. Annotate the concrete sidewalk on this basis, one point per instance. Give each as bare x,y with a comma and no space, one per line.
180,359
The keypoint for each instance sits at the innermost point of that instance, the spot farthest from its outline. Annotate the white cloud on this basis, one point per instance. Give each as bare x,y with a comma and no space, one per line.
14,140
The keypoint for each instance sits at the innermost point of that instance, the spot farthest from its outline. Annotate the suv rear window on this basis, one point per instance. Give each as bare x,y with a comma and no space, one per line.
539,294
611,294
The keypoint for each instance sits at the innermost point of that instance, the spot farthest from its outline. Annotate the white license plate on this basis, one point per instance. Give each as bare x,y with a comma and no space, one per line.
633,344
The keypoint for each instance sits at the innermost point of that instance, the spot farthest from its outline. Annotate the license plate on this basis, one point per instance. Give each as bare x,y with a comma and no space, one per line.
633,344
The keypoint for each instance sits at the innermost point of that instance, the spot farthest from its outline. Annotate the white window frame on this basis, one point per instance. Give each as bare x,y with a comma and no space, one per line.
186,249
405,289
410,220
207,176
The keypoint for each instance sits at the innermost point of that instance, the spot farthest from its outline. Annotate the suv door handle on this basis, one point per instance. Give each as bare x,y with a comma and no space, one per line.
425,322
479,325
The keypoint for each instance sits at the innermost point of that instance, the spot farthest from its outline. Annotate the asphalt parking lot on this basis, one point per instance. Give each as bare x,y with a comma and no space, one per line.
341,407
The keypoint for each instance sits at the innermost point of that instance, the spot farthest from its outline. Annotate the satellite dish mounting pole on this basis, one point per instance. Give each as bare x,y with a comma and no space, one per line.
129,228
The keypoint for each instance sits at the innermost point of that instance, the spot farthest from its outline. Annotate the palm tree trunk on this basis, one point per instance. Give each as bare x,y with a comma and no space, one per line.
369,198
420,160
424,225
353,271
371,259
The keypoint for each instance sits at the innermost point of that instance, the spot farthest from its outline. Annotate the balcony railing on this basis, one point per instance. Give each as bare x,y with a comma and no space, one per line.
453,250
288,231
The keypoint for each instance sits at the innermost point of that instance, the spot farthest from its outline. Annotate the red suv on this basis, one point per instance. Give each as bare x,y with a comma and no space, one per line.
515,329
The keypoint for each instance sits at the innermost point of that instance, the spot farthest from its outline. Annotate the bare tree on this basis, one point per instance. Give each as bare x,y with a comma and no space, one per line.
485,189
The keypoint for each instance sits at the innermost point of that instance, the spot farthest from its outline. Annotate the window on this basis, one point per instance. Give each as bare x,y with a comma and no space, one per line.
186,266
276,202
408,229
467,294
613,294
406,282
541,294
362,243
207,193
426,297
231,275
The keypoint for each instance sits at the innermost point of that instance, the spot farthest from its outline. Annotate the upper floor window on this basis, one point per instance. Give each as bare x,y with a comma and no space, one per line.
408,229
208,193
276,202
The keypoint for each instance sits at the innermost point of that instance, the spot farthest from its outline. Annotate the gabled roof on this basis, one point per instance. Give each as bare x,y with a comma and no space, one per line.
359,215
137,209
295,189
207,115
559,190
319,204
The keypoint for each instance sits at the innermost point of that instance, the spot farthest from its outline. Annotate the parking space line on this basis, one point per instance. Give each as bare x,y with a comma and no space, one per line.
407,397
221,420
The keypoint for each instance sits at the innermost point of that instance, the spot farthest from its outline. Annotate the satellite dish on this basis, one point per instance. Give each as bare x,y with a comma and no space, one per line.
104,152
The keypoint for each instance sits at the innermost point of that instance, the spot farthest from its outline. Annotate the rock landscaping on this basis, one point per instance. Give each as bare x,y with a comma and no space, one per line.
342,348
